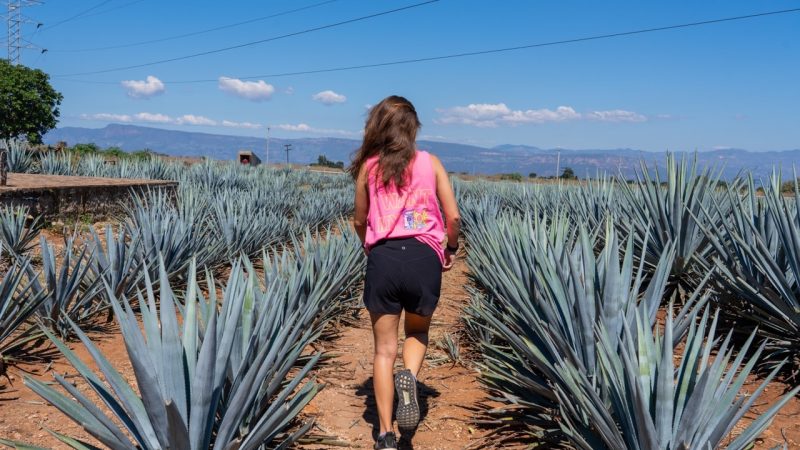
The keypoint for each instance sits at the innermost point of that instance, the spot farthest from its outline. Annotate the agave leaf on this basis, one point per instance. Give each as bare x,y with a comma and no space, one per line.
20,445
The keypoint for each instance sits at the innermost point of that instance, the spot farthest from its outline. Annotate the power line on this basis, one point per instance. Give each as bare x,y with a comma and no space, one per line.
261,41
478,52
196,33
124,5
77,16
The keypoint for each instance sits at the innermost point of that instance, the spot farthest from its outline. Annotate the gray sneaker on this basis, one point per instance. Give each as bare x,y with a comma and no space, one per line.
407,402
386,442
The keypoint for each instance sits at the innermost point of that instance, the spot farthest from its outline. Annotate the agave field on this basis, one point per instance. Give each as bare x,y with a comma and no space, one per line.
619,315
611,314
218,291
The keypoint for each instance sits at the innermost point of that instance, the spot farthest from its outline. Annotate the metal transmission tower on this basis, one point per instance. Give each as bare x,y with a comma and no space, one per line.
15,22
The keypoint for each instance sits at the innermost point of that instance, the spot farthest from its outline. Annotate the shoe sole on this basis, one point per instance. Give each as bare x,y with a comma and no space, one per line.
407,413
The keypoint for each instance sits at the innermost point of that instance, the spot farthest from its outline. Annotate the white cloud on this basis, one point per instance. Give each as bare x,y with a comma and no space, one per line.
290,127
107,117
329,97
616,115
490,115
143,88
186,119
289,90
257,91
306,128
191,119
153,118
248,125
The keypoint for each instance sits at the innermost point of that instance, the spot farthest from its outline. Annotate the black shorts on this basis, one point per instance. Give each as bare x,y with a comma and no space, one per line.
402,274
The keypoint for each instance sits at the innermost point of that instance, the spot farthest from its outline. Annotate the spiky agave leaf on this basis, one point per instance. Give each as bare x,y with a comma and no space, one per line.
70,293
246,228
17,233
757,254
19,154
57,163
652,404
311,277
18,304
186,399
666,210
117,260
176,236
322,205
545,297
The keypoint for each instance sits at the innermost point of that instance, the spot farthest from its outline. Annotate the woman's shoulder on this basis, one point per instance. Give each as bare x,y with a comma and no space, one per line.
435,162
427,154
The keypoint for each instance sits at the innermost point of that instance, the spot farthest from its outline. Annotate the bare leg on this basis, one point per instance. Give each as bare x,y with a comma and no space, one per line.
416,343
384,330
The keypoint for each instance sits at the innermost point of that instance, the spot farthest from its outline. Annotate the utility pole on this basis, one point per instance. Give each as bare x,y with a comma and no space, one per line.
267,146
14,22
288,149
558,163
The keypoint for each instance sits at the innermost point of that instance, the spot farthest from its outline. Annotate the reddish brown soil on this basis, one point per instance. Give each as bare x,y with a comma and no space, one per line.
786,425
346,407
24,416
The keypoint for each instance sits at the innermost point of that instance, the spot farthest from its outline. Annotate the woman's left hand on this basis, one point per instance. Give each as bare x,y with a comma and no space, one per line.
449,260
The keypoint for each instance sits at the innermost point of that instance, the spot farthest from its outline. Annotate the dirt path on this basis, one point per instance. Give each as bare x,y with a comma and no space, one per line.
346,407
24,416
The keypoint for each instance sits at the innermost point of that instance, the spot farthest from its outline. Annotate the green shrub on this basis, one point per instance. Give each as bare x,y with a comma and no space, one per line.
515,176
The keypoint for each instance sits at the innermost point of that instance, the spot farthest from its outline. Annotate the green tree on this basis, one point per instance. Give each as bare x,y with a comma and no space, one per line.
532,175
568,174
115,152
28,106
85,149
144,154
28,103
515,176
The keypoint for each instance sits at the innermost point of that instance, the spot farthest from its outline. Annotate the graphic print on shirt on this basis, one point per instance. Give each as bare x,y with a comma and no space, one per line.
415,219
408,219
411,210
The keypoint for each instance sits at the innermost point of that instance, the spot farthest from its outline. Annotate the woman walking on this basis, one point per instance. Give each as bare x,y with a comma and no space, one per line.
400,193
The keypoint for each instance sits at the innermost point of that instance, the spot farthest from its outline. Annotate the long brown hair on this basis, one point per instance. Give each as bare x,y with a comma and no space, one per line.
390,133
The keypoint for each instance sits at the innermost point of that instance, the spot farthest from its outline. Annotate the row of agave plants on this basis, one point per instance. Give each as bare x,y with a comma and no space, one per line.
220,211
212,370
218,364
616,315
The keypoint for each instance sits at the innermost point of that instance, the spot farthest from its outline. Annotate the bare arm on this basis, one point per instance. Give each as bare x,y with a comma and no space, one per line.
448,201
361,205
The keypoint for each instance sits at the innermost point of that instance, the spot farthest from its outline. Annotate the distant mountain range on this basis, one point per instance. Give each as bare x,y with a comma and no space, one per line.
456,157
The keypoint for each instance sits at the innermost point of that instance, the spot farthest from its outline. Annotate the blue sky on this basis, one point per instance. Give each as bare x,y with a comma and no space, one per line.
724,85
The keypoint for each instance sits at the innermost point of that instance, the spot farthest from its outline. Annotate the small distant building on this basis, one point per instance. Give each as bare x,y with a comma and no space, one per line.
249,158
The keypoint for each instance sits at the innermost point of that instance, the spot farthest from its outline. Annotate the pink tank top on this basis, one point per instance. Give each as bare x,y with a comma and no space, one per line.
414,212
